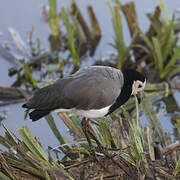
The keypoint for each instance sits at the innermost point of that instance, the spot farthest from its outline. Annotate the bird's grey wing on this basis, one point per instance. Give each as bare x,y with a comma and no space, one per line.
93,92
49,97
93,88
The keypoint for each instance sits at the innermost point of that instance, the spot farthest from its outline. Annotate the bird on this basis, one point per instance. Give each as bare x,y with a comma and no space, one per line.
91,92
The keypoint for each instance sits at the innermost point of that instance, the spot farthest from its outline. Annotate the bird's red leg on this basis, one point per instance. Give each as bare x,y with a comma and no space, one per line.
83,121
85,124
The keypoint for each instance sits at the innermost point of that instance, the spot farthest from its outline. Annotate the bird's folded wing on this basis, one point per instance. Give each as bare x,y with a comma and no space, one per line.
92,91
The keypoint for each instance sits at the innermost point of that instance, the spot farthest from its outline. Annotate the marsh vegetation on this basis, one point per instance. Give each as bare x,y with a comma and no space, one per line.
124,148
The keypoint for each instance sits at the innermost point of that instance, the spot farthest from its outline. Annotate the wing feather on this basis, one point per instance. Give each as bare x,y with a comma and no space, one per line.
90,88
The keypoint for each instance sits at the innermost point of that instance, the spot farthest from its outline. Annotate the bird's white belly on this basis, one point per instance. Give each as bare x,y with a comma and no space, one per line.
93,113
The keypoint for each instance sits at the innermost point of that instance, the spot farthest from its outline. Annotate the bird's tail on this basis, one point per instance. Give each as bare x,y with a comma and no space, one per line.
38,114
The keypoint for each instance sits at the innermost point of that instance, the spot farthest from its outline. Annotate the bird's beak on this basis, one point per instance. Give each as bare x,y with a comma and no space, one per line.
138,95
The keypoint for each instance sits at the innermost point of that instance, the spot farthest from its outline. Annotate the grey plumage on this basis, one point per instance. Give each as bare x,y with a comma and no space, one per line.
93,87
92,92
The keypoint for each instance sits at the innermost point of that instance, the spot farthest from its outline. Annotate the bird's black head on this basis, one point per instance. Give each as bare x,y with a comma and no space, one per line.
132,75
134,80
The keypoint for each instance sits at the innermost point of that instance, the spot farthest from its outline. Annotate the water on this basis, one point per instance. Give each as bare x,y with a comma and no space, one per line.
22,15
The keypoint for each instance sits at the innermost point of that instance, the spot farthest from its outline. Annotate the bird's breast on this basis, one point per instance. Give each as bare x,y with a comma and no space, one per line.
93,113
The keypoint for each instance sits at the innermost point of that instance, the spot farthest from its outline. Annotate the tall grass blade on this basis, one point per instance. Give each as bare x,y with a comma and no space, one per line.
4,177
168,39
172,62
155,24
70,36
54,18
32,143
105,134
52,125
5,142
136,135
151,116
97,132
162,6
157,54
28,75
14,139
119,38
128,158
147,41
174,70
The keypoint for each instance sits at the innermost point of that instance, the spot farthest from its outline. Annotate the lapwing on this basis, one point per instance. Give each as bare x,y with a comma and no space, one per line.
91,92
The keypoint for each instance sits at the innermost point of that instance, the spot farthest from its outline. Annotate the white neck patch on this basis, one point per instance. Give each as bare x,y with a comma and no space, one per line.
137,87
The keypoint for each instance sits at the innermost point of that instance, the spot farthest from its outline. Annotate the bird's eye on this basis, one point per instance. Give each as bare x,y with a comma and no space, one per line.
140,86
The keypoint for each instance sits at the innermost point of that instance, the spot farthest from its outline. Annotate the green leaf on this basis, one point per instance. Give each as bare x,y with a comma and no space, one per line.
161,4
32,143
5,142
75,151
176,27
97,133
4,177
136,134
52,10
28,74
174,71
52,125
119,37
172,61
13,137
53,18
157,54
81,150
105,134
167,39
142,47
177,168
128,158
70,29
147,41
